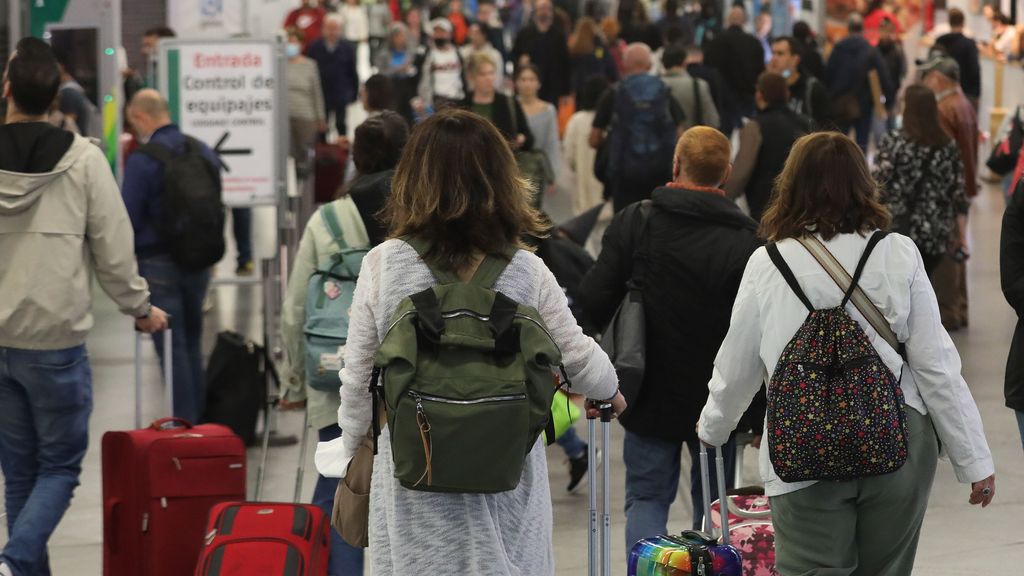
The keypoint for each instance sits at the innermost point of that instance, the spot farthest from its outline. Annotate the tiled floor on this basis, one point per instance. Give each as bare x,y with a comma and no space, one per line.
958,539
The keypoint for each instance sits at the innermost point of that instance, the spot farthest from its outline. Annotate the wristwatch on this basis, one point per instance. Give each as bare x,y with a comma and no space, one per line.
149,308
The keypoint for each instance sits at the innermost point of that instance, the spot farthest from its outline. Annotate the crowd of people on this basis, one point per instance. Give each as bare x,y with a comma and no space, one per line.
475,113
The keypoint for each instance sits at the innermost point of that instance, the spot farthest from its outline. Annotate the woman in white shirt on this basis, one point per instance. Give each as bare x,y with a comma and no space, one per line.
868,525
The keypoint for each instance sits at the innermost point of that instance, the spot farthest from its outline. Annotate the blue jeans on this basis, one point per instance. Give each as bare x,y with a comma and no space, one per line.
571,444
241,224
45,402
861,128
180,293
652,480
1020,424
346,560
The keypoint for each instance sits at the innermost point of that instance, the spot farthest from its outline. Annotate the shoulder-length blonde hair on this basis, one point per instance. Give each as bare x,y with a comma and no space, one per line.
825,185
458,187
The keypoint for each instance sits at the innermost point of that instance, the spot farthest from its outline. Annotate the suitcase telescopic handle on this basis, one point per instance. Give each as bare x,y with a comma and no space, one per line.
170,422
706,487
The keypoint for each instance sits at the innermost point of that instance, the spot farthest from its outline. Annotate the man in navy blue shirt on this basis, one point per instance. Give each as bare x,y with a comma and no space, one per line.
336,59
176,290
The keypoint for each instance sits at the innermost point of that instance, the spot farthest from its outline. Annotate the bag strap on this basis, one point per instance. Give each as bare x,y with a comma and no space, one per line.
787,273
640,252
511,104
158,152
853,292
330,218
698,103
809,97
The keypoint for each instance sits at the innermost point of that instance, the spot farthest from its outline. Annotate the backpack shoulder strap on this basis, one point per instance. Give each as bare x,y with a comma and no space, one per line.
698,103
330,218
491,268
851,291
422,247
158,152
787,273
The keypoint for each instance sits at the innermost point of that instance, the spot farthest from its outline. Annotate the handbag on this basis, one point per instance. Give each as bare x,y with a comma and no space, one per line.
1003,158
625,338
351,513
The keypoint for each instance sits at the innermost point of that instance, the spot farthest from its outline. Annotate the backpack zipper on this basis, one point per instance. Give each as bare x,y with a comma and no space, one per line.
419,396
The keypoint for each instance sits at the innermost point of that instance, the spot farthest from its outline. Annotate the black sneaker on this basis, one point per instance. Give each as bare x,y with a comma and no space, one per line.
577,470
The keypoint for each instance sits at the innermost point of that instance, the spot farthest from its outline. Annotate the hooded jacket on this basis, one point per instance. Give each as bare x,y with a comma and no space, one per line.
61,221
697,245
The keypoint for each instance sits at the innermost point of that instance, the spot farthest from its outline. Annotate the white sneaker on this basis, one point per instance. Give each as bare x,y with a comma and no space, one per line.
5,570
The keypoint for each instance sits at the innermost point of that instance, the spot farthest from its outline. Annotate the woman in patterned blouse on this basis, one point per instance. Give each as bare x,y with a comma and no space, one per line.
922,180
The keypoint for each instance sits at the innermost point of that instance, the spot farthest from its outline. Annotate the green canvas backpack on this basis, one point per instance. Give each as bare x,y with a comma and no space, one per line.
467,377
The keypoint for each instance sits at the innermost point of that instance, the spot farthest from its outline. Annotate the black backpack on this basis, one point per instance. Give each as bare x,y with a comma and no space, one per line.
236,384
192,223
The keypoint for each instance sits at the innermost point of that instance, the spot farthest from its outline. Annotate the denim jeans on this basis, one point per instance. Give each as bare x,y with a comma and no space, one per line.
652,480
45,402
346,560
1020,424
241,224
861,128
571,444
180,293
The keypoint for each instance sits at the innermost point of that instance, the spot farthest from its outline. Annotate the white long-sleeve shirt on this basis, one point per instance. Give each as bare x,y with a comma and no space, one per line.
767,314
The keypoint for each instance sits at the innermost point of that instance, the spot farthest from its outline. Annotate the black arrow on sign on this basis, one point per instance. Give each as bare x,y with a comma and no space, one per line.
228,151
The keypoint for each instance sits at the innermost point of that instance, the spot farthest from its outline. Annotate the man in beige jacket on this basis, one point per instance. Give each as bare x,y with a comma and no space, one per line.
62,221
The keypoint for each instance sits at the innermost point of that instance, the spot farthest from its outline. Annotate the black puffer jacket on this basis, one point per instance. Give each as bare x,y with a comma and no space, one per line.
1011,274
698,245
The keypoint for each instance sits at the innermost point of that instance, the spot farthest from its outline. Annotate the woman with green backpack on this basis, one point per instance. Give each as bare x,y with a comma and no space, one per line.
314,320
458,338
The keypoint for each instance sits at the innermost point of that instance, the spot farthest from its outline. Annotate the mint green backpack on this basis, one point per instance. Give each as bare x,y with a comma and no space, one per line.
467,377
328,300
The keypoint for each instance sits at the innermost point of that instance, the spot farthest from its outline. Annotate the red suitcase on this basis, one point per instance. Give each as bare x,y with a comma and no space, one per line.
158,487
159,484
266,539
330,162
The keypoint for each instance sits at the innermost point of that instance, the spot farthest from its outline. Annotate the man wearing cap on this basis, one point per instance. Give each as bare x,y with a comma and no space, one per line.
956,114
443,79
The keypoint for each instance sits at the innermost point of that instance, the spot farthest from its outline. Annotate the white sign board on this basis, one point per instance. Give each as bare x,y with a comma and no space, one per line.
229,94
206,18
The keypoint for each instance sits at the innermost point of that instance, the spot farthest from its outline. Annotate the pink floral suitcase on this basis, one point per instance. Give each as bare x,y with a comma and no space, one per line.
751,531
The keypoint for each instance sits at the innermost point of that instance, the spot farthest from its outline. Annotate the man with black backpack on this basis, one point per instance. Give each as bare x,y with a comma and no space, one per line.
643,121
172,188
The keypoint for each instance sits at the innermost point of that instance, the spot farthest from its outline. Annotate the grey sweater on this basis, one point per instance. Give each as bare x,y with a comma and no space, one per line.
305,97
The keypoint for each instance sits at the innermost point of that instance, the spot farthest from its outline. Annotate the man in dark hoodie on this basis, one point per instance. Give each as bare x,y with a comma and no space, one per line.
693,243
848,74
61,223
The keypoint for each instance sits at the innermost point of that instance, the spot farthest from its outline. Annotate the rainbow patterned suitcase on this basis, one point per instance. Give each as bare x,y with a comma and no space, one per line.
692,552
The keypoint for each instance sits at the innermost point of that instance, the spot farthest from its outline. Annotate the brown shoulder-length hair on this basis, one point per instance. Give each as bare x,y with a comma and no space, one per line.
458,187
825,185
921,117
583,42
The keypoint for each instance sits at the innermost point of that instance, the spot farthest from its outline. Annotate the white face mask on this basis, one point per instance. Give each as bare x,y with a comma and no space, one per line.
787,73
292,50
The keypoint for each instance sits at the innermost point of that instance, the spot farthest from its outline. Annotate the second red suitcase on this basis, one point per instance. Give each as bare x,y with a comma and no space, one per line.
159,484
266,539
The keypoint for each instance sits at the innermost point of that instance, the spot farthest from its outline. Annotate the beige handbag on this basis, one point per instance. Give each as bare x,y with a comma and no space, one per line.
351,515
